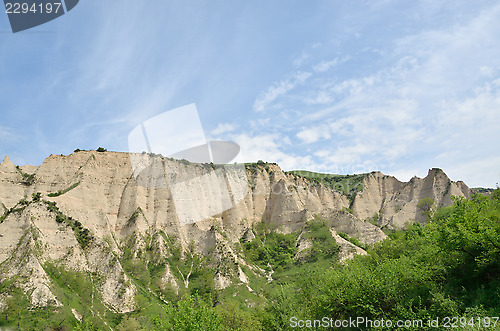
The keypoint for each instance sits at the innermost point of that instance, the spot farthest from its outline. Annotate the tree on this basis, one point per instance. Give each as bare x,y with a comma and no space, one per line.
194,313
101,149
426,207
470,233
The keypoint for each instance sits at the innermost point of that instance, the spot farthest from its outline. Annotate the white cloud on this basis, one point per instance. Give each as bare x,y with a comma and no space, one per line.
314,133
402,100
7,134
223,128
305,55
279,89
467,136
299,61
483,172
406,174
435,102
259,123
270,147
327,65
487,71
319,98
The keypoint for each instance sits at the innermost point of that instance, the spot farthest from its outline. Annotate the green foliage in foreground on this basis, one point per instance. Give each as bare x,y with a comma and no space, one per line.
192,313
449,267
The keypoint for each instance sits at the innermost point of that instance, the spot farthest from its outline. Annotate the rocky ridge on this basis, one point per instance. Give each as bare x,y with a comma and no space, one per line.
87,212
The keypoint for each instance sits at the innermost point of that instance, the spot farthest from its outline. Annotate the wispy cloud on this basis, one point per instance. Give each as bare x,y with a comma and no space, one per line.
378,85
272,148
6,133
223,128
299,61
314,133
327,65
437,93
305,55
279,89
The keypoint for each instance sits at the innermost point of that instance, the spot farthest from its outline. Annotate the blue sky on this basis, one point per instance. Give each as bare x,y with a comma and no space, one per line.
332,86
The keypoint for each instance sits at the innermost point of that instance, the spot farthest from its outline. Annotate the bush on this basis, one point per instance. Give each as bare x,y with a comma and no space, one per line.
426,207
192,313
101,150
273,248
324,245
36,197
28,179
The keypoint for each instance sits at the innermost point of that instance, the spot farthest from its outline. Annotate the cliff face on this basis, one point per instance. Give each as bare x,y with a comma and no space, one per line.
93,211
395,203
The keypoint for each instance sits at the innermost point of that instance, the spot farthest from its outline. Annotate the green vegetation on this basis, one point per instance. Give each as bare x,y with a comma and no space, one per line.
28,179
61,192
72,288
347,184
101,150
83,235
254,167
192,313
375,219
482,190
353,240
20,206
426,207
324,245
448,267
270,249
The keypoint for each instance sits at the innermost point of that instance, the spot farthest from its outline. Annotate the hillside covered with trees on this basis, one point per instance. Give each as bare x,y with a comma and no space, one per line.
448,269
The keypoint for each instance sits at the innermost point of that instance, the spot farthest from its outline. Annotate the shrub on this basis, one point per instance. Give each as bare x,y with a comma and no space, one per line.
426,207
36,197
28,179
272,248
194,313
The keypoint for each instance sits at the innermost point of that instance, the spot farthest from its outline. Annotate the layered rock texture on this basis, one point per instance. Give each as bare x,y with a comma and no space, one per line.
396,203
88,212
